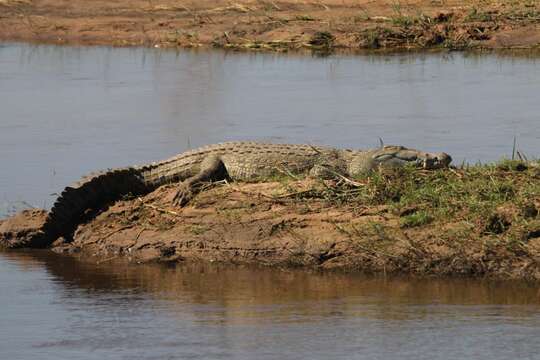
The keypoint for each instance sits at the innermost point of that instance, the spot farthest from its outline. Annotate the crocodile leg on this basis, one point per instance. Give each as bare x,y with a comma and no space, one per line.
212,169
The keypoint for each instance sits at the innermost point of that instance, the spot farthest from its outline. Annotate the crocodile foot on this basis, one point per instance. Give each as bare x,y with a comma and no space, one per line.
183,195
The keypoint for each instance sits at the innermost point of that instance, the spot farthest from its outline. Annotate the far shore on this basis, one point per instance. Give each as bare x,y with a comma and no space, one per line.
276,25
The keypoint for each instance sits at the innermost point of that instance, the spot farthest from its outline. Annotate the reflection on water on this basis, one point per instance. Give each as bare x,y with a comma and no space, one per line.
59,307
67,111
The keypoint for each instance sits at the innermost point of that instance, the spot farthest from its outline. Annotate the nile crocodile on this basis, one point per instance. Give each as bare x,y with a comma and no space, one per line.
243,161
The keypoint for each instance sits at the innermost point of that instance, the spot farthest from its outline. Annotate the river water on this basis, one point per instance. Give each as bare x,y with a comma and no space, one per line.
66,111
55,307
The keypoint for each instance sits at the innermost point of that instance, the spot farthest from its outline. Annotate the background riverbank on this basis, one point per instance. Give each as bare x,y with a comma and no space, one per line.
276,25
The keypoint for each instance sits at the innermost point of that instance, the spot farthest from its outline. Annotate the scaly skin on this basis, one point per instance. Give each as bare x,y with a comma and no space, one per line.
242,161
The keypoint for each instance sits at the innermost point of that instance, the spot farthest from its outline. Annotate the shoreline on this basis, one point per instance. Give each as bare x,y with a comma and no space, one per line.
279,26
483,221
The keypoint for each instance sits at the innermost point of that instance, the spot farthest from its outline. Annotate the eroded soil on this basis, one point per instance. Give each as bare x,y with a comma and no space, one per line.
275,24
292,224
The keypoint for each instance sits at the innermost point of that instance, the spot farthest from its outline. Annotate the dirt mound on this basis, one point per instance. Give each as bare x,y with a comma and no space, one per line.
23,229
233,223
477,222
310,224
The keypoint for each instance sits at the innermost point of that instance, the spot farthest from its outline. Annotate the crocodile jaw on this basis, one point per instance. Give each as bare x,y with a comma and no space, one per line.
392,156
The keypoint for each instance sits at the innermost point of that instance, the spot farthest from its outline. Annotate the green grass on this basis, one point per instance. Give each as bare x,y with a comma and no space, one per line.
198,229
475,194
418,218
410,20
478,15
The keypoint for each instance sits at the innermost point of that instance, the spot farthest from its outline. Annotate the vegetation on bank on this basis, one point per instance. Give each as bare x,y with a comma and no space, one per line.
476,220
466,28
449,30
493,197
277,25
480,220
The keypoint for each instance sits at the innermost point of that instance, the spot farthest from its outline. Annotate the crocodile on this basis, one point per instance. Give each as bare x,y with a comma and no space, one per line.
243,161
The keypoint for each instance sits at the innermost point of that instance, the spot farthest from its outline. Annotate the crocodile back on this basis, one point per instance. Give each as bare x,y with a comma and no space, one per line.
243,161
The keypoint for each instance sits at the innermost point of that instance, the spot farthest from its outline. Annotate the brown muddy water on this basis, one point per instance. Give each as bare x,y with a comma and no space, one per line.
66,111
56,307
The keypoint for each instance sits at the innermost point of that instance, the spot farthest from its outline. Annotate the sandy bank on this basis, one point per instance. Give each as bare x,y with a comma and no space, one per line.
277,25
483,221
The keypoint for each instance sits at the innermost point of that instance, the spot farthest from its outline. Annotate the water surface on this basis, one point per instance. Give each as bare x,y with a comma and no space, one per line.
66,111
55,307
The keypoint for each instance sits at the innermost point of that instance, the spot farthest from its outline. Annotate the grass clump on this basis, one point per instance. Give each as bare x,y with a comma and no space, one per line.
322,39
410,20
198,229
476,15
491,197
416,219
526,15
419,35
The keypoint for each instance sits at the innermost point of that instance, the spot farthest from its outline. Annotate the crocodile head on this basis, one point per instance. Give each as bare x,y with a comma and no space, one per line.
396,156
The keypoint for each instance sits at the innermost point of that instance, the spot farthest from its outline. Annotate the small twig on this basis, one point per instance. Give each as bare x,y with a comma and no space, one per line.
117,231
158,208
346,179
455,173
210,184
28,204
314,149
270,2
275,5
186,8
323,5
233,6
107,259
136,239
514,149
234,188
380,18
288,195
139,234
287,172
238,249
522,157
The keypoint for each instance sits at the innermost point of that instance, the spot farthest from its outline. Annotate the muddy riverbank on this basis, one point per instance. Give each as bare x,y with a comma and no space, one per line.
275,25
481,221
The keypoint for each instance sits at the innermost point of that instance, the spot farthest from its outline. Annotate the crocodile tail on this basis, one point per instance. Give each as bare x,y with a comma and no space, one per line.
81,200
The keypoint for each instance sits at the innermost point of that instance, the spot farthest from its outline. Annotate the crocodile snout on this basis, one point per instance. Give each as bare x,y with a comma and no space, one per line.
437,161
